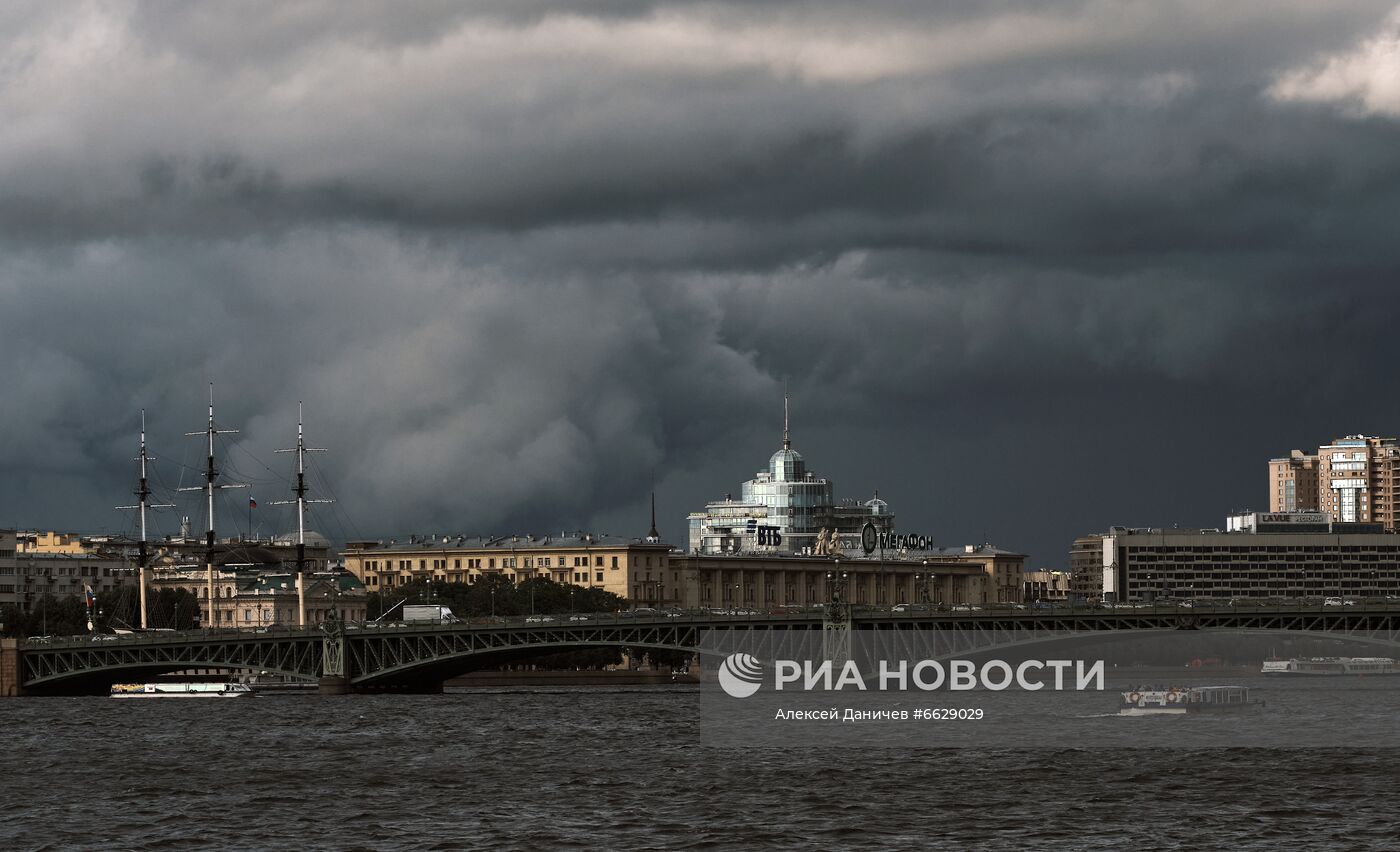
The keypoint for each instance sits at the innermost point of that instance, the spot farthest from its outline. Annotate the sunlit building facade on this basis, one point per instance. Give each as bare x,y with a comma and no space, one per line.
783,509
1355,479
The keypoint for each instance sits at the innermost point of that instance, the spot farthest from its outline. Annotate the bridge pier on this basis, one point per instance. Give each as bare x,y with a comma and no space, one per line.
333,685
9,669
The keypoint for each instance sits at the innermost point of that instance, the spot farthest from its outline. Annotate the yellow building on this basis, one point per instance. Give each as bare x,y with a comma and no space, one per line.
976,575
623,566
650,573
48,541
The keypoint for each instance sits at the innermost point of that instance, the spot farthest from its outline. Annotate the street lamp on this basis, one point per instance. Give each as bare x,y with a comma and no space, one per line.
493,601
836,585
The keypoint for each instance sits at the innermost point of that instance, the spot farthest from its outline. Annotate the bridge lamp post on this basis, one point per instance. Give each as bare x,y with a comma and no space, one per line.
493,601
836,585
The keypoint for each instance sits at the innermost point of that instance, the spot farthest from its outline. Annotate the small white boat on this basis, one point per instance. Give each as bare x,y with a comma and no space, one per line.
181,690
1182,701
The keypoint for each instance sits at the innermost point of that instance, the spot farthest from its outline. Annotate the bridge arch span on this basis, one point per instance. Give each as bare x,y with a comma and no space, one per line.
427,671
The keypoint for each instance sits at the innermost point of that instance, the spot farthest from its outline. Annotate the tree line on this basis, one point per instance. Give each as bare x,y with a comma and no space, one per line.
493,594
50,615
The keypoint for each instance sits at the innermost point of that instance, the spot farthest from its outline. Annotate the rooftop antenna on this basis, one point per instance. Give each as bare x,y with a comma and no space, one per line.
652,535
301,501
143,493
211,474
787,441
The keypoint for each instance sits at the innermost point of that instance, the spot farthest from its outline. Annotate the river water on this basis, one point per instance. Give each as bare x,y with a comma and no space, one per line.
599,768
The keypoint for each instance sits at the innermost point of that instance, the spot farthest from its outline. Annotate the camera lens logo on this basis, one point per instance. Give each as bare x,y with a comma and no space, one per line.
740,675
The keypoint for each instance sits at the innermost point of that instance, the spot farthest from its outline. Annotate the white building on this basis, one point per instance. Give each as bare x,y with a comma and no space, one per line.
783,509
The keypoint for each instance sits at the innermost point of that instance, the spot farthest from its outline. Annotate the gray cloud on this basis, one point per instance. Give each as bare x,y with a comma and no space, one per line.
1018,263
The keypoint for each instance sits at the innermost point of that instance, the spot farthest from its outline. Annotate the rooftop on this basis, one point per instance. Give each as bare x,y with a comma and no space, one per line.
576,539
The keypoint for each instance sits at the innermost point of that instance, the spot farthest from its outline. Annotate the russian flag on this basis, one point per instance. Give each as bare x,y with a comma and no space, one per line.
91,598
252,504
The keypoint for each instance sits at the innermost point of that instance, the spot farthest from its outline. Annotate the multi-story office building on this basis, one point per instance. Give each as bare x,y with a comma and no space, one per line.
1273,555
1086,568
785,508
1293,483
1049,586
60,564
9,571
1355,479
632,568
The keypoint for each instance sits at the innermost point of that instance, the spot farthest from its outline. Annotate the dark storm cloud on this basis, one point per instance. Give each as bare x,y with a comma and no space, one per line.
518,258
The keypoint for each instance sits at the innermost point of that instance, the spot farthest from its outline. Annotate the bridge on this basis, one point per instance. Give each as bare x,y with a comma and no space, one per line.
419,657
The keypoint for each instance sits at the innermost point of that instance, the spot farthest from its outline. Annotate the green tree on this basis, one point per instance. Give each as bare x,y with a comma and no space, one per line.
118,608
496,593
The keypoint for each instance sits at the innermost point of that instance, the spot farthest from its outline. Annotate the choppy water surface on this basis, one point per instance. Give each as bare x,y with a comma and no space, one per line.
599,768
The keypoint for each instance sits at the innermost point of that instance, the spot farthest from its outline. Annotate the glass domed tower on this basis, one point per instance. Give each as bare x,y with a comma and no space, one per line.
788,497
796,498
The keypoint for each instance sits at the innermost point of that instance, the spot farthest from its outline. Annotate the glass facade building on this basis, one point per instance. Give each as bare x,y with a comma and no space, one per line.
783,509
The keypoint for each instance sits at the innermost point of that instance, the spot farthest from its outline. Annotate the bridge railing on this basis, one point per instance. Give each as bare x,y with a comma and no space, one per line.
720,616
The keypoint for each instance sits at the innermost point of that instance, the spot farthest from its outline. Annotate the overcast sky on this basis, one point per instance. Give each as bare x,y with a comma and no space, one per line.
1029,269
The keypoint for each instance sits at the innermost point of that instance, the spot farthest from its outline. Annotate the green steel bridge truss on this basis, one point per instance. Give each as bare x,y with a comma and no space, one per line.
396,656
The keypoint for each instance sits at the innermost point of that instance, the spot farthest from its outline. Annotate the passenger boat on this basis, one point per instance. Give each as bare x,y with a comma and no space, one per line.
1181,701
181,690
1332,666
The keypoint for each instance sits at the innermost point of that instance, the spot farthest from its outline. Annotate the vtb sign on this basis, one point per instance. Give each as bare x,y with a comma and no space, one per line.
765,536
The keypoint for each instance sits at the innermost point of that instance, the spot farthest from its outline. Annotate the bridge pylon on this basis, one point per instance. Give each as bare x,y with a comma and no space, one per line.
836,634
333,680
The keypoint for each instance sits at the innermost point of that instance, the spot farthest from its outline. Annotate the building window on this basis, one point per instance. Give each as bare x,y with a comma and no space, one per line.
598,561
456,563
614,562
600,574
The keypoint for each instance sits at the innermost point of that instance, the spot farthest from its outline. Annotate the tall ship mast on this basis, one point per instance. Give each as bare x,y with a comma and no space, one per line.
211,475
300,490
143,494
